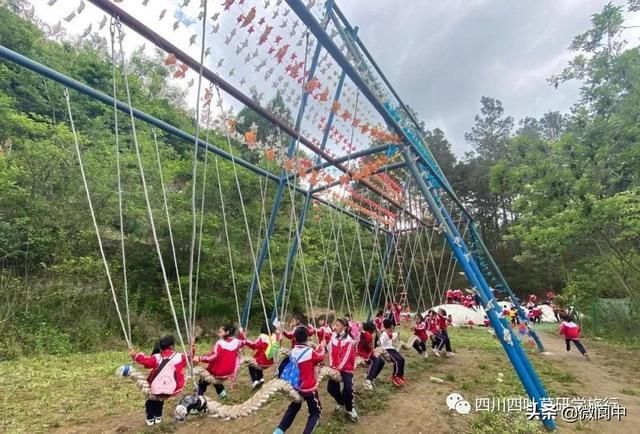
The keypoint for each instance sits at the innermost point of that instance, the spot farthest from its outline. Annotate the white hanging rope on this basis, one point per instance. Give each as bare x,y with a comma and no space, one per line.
146,195
194,174
119,176
127,338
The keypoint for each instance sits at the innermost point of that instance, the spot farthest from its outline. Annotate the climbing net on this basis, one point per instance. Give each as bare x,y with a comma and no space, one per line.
298,102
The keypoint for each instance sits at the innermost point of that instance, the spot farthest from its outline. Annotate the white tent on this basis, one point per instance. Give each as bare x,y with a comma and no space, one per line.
461,315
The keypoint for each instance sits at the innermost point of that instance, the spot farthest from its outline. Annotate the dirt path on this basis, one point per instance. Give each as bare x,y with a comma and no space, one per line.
610,372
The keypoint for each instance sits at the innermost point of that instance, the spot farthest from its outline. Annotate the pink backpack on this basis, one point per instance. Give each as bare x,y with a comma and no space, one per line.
163,379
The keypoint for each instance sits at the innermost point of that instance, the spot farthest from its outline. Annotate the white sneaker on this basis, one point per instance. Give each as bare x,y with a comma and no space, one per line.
353,415
435,352
338,408
223,394
150,422
450,354
368,384
256,384
158,420
425,355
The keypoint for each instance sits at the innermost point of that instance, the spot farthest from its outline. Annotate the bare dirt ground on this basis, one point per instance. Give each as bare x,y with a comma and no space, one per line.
420,406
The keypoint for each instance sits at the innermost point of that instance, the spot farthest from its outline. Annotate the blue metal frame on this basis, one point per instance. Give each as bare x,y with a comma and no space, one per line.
295,243
277,201
508,340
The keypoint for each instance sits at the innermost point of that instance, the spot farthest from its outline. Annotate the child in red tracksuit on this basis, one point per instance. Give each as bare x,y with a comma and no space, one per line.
307,360
365,348
378,321
295,324
223,360
342,358
260,346
420,330
166,377
324,331
443,323
571,333
434,331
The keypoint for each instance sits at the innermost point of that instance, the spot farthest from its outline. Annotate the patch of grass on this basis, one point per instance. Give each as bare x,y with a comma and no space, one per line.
57,390
632,392
488,422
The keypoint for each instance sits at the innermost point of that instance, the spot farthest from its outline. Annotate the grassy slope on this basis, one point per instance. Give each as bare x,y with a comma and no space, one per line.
47,392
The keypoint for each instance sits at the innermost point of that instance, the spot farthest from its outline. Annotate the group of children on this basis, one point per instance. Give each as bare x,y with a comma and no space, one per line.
432,328
341,342
456,296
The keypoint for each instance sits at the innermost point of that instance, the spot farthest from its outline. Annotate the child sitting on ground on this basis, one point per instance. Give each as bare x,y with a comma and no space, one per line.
342,358
166,377
420,330
260,357
386,341
224,359
571,333
307,360
365,348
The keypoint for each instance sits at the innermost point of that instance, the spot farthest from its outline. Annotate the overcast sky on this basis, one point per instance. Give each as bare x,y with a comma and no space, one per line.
443,56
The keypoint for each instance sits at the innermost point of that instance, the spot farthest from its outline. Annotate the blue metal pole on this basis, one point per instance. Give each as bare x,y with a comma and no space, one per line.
390,241
523,317
277,201
509,341
295,243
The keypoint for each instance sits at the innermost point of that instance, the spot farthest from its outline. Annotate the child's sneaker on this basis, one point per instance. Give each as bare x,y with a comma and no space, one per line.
402,380
353,415
450,354
158,420
435,352
256,384
397,382
368,384
278,431
338,408
425,355
223,394
150,422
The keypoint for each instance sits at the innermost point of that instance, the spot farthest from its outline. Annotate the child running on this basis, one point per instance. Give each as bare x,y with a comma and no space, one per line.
420,330
365,347
342,358
224,359
386,341
166,377
260,357
571,333
307,360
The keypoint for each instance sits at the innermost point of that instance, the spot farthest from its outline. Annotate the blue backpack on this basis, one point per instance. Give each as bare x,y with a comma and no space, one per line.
291,372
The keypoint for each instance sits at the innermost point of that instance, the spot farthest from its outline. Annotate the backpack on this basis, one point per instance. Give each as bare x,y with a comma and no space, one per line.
163,379
273,349
291,372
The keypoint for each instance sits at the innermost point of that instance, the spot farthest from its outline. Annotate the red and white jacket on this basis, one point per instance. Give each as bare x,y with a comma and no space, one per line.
260,345
342,352
570,330
224,358
354,330
443,322
291,335
365,345
324,333
433,325
378,322
179,362
307,365
420,330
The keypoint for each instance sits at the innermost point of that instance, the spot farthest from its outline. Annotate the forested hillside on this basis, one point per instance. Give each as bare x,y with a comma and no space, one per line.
557,198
